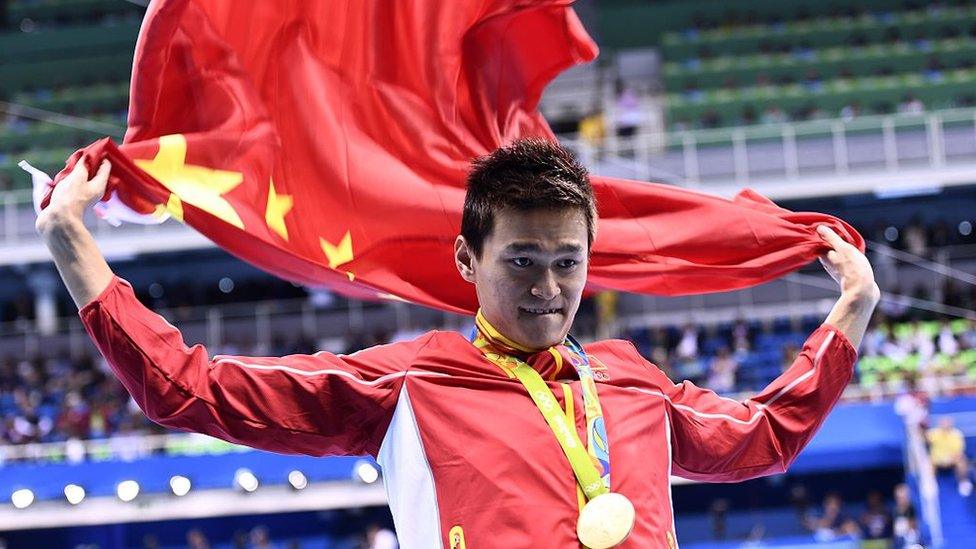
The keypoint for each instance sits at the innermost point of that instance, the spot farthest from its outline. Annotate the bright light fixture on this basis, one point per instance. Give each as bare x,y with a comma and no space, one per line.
22,498
74,494
367,472
246,480
127,490
297,479
180,485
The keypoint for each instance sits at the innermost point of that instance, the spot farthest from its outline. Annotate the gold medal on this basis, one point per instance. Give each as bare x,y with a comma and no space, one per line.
605,521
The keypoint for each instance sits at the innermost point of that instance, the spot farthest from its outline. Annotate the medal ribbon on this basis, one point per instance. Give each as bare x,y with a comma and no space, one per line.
591,465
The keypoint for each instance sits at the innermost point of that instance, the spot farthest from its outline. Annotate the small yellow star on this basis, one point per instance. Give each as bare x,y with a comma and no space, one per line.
278,206
339,254
197,185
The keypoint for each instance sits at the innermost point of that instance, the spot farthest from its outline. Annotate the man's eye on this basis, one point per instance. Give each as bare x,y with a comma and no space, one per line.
568,263
521,262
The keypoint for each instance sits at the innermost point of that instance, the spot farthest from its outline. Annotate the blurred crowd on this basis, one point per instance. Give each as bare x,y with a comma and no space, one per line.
63,398
878,519
179,296
921,238
66,398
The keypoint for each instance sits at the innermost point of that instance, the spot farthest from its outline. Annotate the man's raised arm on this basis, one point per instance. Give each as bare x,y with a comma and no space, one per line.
321,404
77,257
717,439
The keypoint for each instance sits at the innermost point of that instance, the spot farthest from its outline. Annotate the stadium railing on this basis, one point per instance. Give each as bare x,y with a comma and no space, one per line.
789,152
740,155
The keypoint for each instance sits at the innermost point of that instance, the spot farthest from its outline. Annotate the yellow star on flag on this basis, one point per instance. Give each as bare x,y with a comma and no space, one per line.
278,206
196,185
339,254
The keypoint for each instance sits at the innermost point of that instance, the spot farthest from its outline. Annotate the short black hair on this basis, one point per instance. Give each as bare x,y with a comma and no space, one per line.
526,175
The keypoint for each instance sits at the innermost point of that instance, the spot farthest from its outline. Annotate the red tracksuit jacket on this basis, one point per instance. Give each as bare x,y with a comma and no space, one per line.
465,452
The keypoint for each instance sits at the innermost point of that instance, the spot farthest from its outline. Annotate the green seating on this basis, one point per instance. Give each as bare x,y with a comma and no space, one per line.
65,72
640,24
816,33
902,330
80,100
941,362
729,105
50,161
49,135
888,366
930,328
75,41
60,9
872,369
828,62
968,358
959,326
869,381
911,363
870,364
712,76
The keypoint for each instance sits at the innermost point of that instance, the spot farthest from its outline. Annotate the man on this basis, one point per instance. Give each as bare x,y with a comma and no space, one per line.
514,436
947,448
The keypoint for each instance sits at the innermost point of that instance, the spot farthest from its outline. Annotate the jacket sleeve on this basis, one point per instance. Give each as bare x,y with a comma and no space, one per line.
321,404
718,439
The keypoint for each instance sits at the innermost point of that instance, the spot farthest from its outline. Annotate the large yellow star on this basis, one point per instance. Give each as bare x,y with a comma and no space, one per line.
278,206
339,254
197,185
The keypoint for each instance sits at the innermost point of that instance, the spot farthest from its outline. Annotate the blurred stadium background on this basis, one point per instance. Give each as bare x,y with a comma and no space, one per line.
862,109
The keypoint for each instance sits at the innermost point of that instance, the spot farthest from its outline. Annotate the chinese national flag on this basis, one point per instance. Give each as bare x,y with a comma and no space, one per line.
327,141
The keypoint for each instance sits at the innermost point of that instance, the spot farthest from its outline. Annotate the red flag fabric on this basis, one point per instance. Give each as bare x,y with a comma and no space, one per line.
327,142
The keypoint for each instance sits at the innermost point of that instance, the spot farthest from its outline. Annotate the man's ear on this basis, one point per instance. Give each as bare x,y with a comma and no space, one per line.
463,259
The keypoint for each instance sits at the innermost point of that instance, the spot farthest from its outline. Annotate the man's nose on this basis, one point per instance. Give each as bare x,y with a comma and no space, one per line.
546,288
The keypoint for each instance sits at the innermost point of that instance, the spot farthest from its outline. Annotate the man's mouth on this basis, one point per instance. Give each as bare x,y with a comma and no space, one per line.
540,311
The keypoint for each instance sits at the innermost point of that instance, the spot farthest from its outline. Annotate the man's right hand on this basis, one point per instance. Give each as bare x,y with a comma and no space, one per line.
77,257
73,195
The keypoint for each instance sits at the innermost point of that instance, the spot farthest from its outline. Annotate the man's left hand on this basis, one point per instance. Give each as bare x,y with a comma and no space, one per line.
848,267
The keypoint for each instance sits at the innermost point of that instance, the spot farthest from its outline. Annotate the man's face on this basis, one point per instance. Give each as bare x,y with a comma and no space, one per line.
531,273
